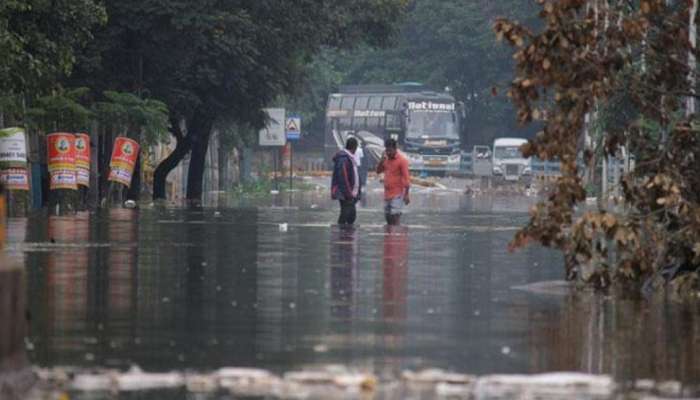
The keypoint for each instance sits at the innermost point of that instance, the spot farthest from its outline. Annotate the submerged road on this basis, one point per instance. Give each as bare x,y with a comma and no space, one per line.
273,284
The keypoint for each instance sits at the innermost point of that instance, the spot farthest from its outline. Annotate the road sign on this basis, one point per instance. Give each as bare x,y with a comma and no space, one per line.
293,127
273,133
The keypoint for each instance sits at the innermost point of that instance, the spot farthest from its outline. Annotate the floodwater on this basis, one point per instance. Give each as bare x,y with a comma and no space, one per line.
182,290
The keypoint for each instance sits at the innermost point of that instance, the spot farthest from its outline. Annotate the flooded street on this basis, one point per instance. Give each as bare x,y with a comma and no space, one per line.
280,288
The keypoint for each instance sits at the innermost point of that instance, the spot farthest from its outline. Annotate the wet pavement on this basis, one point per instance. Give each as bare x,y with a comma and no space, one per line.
271,283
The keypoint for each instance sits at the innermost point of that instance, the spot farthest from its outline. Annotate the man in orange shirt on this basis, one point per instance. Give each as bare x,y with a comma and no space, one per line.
397,182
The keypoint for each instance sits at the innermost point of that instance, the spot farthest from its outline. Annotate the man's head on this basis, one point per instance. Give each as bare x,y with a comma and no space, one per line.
351,145
390,148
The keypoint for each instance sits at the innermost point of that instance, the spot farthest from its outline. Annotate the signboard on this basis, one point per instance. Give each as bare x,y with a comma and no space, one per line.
273,133
123,162
60,149
15,179
13,147
430,106
293,127
82,159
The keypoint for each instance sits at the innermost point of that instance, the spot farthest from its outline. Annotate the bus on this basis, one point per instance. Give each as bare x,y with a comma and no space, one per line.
425,123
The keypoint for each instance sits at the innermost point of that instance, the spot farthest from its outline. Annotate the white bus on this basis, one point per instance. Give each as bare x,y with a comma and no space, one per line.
508,161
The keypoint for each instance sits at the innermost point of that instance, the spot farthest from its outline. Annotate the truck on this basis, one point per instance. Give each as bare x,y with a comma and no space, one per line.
425,123
508,161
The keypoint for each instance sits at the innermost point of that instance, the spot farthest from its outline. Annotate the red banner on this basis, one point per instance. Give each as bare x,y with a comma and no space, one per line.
82,159
61,151
124,156
61,157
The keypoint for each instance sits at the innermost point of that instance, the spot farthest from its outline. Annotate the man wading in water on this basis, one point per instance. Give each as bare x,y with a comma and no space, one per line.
345,184
397,182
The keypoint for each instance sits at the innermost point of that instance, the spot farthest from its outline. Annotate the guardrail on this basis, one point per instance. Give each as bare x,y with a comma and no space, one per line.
545,168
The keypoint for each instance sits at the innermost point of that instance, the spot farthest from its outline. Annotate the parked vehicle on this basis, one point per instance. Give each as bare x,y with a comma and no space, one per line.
508,160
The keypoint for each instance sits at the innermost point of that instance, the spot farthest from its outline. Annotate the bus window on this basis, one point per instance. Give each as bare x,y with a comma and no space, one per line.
346,103
375,103
393,121
334,103
360,105
389,103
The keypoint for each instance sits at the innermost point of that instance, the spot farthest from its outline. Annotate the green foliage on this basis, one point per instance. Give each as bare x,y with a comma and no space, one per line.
38,40
134,115
63,110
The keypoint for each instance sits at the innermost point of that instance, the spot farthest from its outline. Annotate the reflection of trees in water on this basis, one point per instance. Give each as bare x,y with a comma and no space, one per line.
629,339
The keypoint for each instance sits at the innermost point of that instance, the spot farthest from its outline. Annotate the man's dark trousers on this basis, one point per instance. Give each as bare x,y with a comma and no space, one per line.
347,212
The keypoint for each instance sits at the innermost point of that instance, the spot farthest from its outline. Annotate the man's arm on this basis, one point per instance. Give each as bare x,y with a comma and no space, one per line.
406,180
380,166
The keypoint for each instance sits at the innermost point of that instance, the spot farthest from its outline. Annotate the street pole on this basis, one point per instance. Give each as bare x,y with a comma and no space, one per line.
275,154
291,173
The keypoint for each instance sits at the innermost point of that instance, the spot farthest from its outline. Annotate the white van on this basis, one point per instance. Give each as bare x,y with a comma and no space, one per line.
508,160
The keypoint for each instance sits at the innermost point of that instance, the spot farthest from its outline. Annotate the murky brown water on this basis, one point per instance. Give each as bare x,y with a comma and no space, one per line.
169,289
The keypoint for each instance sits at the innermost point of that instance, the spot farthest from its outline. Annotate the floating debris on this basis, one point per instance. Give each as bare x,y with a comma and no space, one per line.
340,382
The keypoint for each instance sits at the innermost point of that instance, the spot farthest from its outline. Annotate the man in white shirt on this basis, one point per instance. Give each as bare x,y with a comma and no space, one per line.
359,155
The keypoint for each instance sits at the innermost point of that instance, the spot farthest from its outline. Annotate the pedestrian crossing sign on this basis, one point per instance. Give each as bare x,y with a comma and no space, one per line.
293,127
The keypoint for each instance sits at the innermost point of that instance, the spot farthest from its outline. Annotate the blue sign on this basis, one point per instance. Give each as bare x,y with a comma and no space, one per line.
293,127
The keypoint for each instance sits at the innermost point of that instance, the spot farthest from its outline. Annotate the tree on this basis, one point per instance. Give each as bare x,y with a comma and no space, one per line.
216,58
620,64
38,41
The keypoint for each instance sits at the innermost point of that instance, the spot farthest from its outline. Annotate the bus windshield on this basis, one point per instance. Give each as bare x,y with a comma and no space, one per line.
507,152
432,124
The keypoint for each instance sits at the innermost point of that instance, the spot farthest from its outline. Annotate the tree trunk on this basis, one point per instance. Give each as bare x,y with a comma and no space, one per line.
201,131
134,192
182,147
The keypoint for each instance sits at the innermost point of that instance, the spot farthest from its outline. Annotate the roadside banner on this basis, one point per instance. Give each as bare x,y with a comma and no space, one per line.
13,159
124,156
15,178
13,146
82,159
60,149
61,160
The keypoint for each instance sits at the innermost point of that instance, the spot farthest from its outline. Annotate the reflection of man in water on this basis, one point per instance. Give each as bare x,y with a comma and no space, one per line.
395,268
343,266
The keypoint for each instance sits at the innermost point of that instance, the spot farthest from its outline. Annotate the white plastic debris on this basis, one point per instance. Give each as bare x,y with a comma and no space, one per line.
434,376
135,379
94,382
129,204
201,383
572,385
283,227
